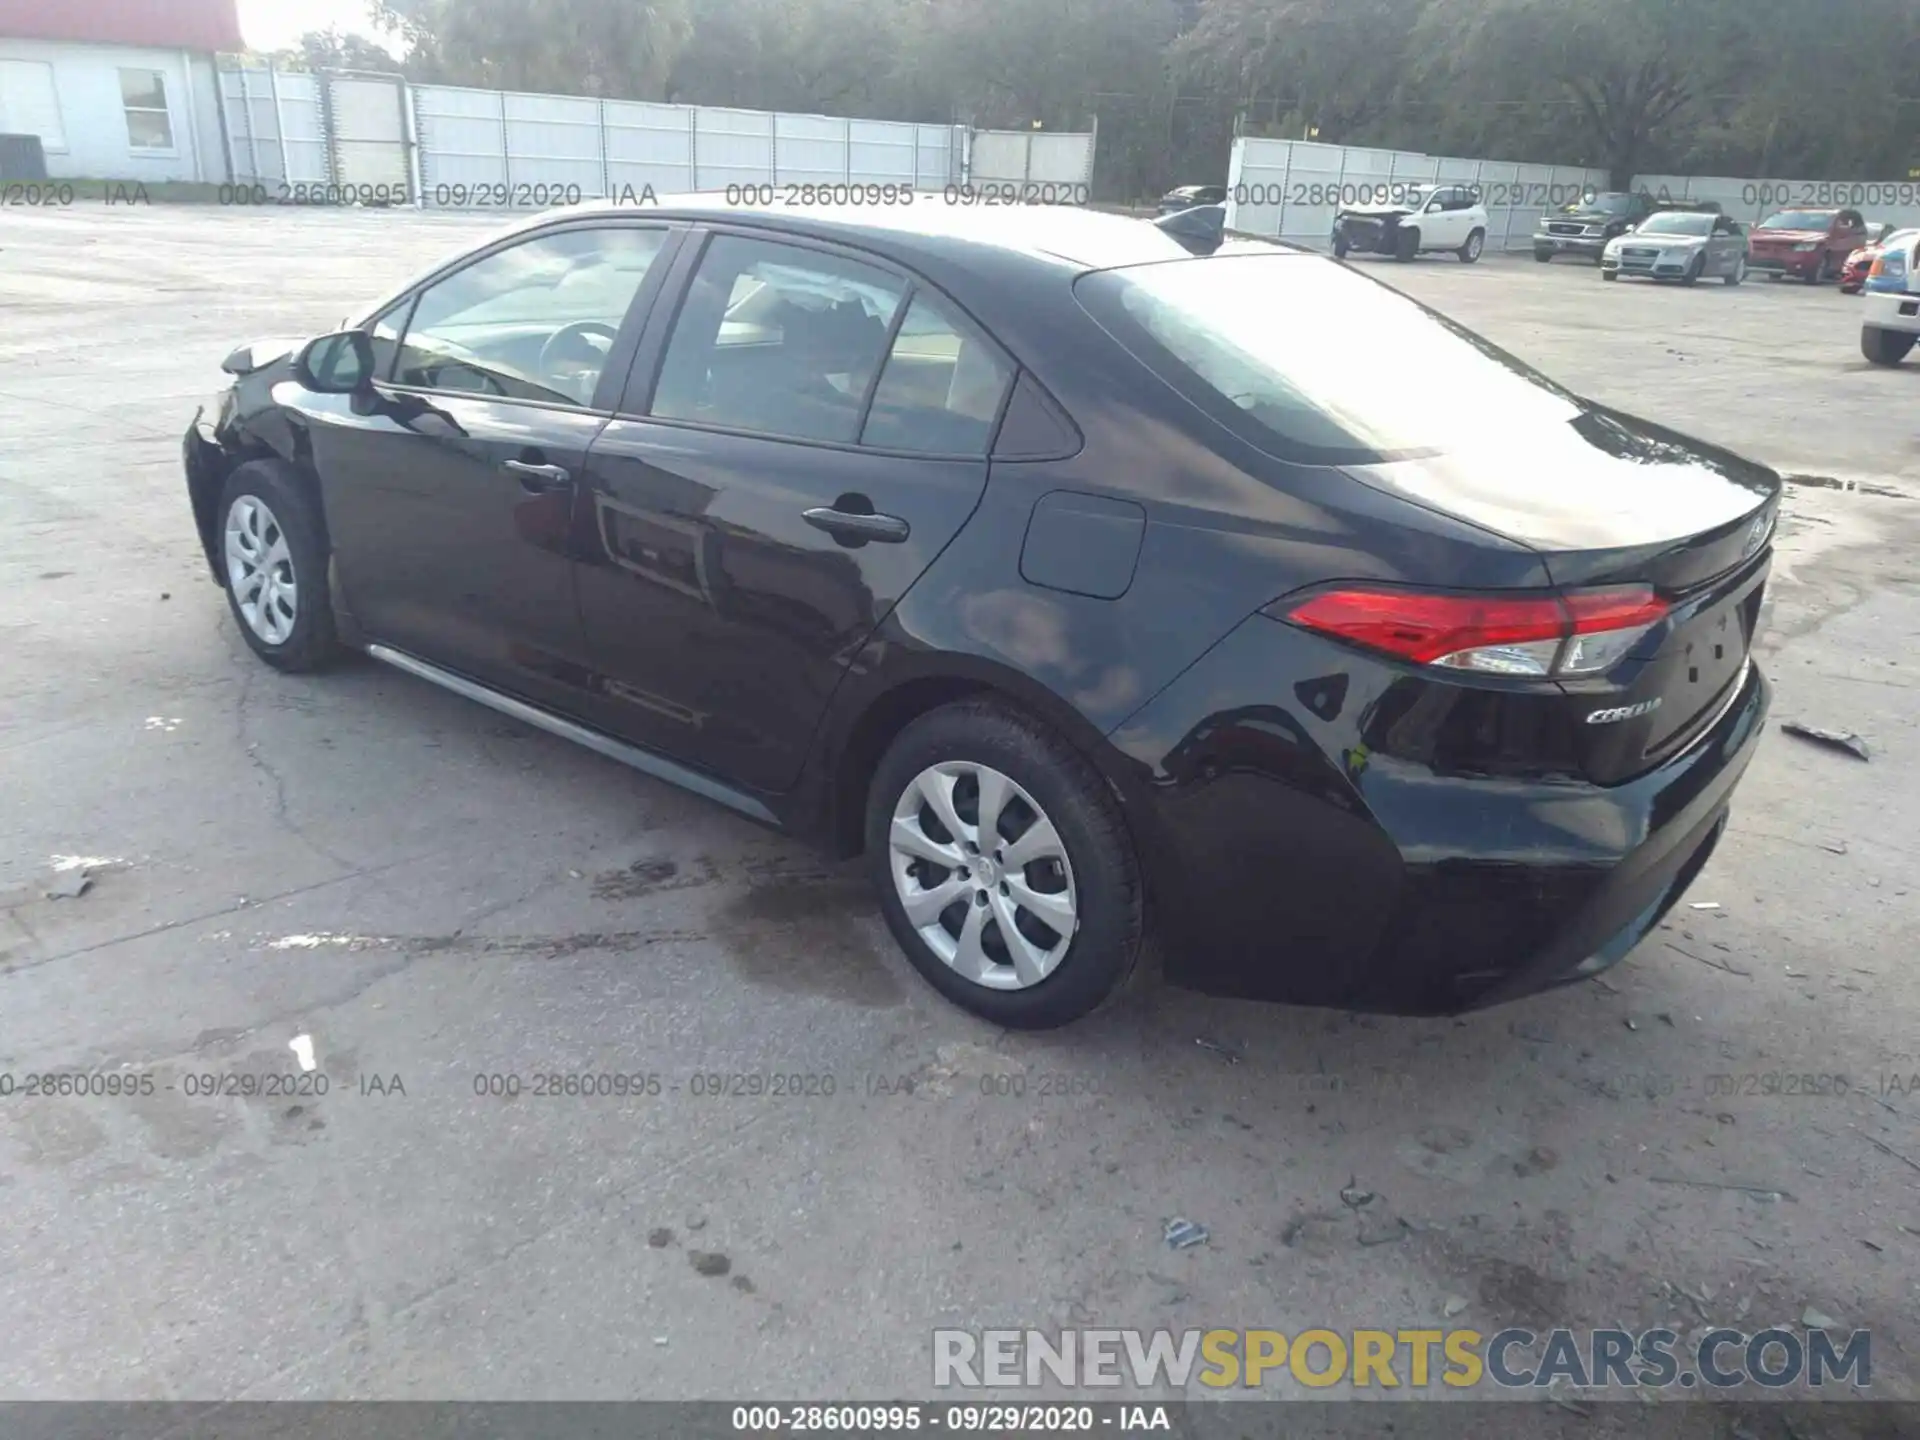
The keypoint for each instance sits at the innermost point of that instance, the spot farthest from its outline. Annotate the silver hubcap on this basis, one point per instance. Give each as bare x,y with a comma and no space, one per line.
260,570
1473,245
983,875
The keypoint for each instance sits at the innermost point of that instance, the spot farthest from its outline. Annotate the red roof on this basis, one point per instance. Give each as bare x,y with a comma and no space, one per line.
165,24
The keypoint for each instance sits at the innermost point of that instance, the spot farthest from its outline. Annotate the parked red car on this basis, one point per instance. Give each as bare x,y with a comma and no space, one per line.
1810,245
1853,275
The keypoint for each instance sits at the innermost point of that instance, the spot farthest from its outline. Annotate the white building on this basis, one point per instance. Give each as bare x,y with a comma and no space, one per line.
118,89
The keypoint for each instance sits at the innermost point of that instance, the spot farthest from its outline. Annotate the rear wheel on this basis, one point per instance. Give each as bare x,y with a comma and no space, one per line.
1004,867
1883,346
1406,244
1470,252
275,556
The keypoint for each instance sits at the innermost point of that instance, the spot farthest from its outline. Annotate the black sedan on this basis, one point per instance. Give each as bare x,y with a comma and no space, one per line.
1083,582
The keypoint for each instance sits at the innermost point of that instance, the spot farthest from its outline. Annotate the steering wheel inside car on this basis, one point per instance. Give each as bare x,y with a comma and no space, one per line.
572,360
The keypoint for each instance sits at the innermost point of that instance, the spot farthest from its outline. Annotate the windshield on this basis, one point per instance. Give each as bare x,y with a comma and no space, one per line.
1612,202
1677,222
1315,362
1798,220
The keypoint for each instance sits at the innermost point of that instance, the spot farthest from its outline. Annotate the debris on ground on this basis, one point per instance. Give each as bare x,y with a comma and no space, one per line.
1352,1196
1183,1234
1381,1227
1832,739
1231,1056
1759,1192
1818,1319
1703,905
302,1047
70,884
696,1222
709,1263
1838,847
660,1239
1454,1305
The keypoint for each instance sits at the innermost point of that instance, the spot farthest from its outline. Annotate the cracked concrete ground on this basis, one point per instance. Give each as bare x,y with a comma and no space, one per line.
438,897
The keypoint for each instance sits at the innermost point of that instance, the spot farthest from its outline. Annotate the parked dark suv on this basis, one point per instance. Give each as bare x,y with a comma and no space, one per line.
1079,581
1585,226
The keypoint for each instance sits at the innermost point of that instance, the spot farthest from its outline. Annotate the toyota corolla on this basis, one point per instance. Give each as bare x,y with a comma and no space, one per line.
1085,584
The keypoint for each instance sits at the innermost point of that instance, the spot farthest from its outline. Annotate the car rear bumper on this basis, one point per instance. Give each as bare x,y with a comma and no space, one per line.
1892,310
1290,859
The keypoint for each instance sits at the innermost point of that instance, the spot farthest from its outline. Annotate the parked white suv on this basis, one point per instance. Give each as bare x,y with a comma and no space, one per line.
1430,217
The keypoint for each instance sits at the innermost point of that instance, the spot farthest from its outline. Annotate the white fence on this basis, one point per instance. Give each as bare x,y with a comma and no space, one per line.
1291,188
1895,201
450,147
1045,164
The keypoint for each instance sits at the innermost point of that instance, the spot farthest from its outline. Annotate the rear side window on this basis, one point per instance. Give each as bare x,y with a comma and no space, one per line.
942,387
1315,363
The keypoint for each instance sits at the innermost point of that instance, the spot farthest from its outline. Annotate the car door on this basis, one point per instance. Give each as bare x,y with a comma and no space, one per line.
1435,222
449,489
1720,259
796,445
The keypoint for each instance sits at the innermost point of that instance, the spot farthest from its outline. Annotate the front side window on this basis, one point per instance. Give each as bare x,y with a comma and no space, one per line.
535,321
941,390
778,340
1316,363
143,95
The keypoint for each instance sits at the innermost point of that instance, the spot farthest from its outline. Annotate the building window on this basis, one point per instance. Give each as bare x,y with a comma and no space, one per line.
28,103
143,93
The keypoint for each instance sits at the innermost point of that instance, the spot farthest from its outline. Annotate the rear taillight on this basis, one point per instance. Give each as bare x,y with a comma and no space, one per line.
1581,633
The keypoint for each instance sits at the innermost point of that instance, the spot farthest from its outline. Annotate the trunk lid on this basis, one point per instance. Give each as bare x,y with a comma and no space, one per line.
1606,500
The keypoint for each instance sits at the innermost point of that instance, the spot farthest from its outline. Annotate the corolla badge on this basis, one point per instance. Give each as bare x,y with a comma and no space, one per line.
1756,534
1623,712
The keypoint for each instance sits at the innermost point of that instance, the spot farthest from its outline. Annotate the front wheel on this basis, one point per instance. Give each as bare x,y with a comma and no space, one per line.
1406,244
1470,252
1737,274
275,555
1818,274
1696,267
1004,867
1340,249
1883,346
1609,274
1543,256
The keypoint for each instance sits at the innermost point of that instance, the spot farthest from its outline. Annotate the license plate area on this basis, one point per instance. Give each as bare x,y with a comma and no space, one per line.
1699,662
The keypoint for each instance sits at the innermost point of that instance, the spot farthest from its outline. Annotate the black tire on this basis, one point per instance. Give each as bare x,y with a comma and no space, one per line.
1469,251
1818,274
1738,273
1883,346
1609,274
310,642
1543,256
1340,249
1106,943
1406,244
1696,267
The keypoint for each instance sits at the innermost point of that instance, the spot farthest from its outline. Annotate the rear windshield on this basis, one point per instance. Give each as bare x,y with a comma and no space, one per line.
1313,362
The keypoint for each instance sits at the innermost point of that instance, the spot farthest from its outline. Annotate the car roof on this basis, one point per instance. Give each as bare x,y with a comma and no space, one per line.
1087,239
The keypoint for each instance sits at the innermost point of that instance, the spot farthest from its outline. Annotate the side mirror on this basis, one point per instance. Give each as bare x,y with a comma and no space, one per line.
338,364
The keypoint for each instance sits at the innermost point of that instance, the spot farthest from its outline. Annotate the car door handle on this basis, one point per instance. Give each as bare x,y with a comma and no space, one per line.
850,526
537,477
